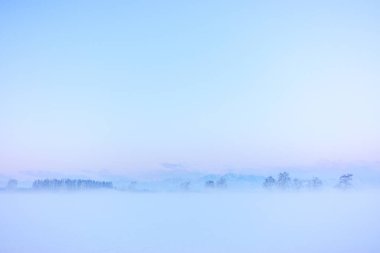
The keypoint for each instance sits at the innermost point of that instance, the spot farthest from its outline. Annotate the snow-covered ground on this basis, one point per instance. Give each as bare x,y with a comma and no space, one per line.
328,221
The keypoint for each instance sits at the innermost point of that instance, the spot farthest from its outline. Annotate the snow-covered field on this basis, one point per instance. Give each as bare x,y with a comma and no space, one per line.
190,222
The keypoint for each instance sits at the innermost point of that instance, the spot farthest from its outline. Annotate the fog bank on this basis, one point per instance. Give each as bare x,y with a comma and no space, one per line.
322,221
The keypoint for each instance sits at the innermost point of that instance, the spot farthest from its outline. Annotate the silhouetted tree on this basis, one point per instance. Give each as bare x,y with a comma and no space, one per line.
269,182
210,184
283,180
345,181
297,184
221,183
315,183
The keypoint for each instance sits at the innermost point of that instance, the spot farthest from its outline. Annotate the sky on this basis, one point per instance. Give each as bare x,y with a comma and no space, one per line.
130,86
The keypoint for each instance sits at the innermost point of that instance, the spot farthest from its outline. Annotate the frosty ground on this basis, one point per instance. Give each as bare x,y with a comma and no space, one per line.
322,221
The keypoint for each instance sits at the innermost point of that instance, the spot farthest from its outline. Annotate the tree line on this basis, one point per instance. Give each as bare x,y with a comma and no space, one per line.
70,184
284,181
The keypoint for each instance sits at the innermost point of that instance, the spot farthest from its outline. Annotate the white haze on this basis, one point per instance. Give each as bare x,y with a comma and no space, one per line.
321,221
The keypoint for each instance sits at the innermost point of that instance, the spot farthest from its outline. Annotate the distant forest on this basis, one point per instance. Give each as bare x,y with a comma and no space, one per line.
70,184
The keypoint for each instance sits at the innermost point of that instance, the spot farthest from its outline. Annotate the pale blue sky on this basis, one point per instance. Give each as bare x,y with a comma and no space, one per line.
212,85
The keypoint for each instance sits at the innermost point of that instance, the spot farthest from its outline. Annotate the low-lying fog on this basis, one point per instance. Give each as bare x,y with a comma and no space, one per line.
322,221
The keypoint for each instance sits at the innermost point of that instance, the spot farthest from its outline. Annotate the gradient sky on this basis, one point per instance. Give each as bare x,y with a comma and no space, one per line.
211,85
